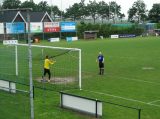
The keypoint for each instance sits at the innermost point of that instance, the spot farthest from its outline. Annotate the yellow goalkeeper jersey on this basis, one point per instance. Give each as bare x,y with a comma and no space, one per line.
47,62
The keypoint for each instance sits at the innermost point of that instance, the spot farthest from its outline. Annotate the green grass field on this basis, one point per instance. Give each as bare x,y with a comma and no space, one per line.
131,78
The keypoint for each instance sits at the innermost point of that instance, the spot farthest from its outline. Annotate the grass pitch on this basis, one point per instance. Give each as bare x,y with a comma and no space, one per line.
131,78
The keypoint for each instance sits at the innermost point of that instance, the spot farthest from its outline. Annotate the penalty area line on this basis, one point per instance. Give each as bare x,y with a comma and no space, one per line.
119,97
153,101
137,80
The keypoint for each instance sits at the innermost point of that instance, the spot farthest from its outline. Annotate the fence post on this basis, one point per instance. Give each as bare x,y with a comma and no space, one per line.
96,109
10,90
139,113
33,92
61,96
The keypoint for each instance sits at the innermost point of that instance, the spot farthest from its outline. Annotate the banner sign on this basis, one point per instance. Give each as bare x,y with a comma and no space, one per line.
68,26
14,28
8,86
51,27
81,104
35,27
127,35
1,28
10,42
54,39
114,36
69,39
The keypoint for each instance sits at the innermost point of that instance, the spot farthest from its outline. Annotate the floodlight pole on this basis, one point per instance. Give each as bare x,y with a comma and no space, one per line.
61,21
30,65
115,14
61,10
109,11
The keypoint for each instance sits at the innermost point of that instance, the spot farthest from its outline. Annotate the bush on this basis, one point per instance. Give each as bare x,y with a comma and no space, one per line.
106,30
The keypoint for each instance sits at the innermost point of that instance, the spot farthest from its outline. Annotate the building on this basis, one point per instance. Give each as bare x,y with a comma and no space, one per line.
11,16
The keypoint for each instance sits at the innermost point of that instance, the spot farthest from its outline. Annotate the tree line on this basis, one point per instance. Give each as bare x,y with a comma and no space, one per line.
97,11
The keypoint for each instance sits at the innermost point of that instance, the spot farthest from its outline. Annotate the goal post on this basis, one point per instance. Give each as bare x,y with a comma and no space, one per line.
72,54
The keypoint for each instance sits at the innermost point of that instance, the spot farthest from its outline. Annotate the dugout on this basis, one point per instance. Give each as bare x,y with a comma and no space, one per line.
90,34
157,31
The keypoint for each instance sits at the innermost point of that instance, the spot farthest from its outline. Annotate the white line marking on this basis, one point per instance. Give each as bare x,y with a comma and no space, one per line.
133,79
124,57
128,99
148,68
153,101
137,80
131,58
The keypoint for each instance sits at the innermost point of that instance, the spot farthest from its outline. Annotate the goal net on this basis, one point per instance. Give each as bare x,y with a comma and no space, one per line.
65,72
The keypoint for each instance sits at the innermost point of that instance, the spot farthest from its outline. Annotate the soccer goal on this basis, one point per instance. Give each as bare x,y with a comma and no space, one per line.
65,72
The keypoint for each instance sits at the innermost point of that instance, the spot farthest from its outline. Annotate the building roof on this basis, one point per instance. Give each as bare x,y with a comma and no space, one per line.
21,16
6,16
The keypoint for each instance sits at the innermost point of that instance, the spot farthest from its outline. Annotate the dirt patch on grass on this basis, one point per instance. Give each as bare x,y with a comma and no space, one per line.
57,80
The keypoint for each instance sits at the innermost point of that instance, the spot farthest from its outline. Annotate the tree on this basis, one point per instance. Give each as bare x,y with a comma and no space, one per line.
42,6
92,10
138,12
82,1
103,10
55,12
83,10
74,12
28,4
154,13
11,4
121,16
114,11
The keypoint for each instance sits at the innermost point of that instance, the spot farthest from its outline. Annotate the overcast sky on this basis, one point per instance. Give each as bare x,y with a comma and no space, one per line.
125,4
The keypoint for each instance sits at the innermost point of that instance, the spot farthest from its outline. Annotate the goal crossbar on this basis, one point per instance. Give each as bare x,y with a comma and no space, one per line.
52,47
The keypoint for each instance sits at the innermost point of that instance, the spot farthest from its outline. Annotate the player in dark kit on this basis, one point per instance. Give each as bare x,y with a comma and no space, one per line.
100,60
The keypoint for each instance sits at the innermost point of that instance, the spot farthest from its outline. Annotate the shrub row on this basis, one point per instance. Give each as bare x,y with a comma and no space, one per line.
106,30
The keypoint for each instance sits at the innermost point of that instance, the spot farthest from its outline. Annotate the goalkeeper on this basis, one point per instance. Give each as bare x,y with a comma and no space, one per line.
47,63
